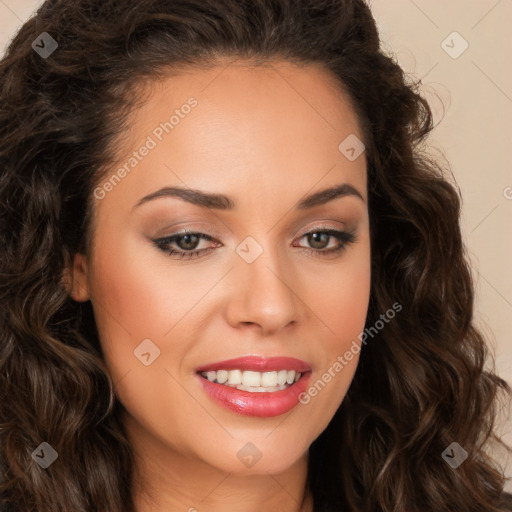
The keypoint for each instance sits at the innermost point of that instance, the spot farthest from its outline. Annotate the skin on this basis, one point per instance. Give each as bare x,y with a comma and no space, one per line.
266,137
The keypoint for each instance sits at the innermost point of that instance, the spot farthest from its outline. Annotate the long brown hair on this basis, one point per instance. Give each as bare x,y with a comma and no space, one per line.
421,382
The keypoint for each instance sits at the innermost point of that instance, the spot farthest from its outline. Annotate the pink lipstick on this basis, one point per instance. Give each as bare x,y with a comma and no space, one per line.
256,386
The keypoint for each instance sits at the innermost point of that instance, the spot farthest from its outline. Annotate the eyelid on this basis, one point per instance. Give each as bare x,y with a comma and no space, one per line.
322,225
188,230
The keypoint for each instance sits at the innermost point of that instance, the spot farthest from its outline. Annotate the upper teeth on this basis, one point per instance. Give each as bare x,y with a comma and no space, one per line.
253,379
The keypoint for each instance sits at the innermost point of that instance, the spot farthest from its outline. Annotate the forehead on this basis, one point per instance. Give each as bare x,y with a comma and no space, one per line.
235,125
243,93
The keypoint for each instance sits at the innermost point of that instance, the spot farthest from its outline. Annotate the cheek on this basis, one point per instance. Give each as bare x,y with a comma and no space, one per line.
134,302
342,298
344,303
131,304
341,308
143,298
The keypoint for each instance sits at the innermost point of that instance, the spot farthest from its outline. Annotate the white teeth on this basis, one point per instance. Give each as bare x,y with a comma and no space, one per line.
222,376
269,379
249,380
281,377
235,377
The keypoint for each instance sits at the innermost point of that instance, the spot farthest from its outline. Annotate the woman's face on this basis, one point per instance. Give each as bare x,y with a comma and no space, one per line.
264,284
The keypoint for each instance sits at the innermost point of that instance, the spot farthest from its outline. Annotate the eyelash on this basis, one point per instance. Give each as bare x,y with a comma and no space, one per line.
345,237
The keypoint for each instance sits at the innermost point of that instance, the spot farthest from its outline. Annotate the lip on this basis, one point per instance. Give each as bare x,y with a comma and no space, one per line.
256,404
258,364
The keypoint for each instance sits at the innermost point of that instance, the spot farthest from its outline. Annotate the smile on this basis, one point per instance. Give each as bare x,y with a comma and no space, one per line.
256,386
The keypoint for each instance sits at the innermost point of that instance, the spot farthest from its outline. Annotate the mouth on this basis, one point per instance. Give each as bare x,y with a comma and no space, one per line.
256,386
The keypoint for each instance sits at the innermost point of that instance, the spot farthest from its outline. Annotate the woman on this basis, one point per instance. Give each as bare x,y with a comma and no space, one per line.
230,278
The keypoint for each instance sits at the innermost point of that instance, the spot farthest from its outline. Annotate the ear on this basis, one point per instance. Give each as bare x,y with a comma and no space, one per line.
75,278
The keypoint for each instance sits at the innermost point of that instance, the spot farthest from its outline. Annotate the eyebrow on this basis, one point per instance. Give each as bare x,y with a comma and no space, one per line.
222,202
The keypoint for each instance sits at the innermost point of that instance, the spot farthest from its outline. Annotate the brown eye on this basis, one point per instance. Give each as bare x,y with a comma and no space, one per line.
186,244
319,240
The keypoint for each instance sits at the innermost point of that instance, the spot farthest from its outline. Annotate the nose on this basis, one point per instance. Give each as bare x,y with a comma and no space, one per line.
263,294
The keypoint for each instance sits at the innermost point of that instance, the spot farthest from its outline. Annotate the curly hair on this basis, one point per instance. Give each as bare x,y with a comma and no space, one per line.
422,386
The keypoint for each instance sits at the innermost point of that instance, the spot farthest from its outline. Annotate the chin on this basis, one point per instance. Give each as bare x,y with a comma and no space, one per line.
259,457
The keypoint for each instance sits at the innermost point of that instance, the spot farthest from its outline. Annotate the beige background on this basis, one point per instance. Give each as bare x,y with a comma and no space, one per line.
474,134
